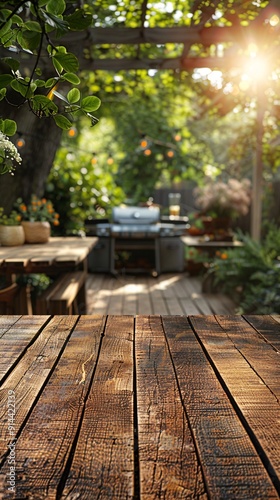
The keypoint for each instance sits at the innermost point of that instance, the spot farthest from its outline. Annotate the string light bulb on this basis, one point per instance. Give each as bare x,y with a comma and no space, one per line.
94,159
72,132
147,152
110,160
177,137
144,142
20,143
170,153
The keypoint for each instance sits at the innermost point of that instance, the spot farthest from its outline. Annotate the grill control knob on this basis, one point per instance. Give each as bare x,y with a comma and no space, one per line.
136,215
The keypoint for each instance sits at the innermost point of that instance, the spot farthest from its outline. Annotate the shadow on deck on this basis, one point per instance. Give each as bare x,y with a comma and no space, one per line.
168,294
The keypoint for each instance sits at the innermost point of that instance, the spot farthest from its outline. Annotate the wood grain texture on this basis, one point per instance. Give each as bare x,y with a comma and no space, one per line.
253,383
103,463
168,465
45,444
16,334
230,465
148,407
268,327
29,376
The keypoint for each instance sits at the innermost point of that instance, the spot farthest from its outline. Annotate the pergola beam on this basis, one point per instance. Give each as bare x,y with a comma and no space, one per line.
176,63
161,36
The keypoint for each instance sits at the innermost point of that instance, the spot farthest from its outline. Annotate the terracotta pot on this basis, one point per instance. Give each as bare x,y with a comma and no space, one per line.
194,268
11,235
36,232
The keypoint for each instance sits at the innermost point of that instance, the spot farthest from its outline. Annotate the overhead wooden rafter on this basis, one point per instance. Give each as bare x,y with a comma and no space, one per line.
235,36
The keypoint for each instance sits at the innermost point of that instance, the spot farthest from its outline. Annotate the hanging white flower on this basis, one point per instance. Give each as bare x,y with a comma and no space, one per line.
9,155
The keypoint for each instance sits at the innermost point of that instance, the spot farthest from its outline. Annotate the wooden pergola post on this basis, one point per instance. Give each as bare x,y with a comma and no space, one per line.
257,181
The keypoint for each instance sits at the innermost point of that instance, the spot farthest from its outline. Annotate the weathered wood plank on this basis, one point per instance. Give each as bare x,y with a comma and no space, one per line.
268,326
16,337
7,322
231,465
238,351
28,377
103,463
167,458
158,302
144,297
219,304
189,307
45,444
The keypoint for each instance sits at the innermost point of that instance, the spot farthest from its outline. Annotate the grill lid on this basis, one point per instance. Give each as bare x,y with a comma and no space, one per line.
135,215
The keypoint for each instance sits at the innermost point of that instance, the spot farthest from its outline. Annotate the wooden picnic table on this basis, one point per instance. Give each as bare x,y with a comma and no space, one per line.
57,255
54,258
140,407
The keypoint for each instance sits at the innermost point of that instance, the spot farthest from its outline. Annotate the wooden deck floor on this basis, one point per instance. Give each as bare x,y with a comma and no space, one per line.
170,293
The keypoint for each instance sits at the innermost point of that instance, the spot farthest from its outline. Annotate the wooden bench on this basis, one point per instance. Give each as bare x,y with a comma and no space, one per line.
66,295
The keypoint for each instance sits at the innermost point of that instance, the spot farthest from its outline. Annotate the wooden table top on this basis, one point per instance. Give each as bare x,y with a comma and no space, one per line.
145,407
58,251
201,241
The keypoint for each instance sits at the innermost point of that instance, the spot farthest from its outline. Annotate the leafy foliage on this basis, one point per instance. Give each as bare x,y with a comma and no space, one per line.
80,188
251,273
33,27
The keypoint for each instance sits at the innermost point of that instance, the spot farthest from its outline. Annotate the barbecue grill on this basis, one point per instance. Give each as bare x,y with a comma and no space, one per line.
138,231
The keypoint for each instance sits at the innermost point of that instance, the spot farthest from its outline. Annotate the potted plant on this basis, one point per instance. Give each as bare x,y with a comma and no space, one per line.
224,201
196,260
36,219
199,224
11,230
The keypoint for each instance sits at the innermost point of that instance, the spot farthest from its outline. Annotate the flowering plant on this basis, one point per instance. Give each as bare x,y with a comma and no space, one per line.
38,210
8,155
196,255
13,219
222,199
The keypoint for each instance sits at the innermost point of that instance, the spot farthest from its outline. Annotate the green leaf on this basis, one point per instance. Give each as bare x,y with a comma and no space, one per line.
57,66
50,82
79,21
62,122
8,39
2,94
33,26
90,103
9,127
5,28
20,86
93,119
69,62
55,22
72,78
29,39
56,7
73,95
40,83
17,20
60,49
12,63
5,80
60,96
41,104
